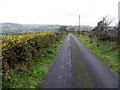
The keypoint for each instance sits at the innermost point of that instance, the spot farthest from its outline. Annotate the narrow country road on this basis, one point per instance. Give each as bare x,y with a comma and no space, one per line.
76,67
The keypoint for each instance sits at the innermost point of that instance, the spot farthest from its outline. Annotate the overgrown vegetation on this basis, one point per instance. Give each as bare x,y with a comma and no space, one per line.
27,58
104,32
104,42
105,52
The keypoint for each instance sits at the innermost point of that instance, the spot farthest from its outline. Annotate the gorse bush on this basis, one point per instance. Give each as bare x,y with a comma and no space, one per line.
24,48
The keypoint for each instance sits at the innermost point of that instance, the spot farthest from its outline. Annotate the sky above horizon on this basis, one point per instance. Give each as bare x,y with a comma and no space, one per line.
62,12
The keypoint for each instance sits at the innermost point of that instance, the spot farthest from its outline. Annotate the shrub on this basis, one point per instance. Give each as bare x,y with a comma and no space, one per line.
104,37
24,48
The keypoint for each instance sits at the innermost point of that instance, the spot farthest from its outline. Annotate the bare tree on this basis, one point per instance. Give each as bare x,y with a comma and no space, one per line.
118,28
102,27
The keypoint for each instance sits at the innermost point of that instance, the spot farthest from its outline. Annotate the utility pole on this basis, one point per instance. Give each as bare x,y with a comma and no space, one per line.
118,28
79,24
118,11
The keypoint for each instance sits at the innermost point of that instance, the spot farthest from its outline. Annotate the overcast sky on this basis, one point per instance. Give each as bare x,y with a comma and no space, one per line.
63,12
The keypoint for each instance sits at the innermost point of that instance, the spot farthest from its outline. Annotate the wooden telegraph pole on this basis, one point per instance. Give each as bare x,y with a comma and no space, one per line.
79,24
118,11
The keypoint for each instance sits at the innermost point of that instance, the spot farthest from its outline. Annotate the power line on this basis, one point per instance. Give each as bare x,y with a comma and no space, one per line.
90,5
84,13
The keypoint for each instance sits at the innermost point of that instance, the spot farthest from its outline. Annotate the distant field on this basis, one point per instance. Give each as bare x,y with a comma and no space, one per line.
8,36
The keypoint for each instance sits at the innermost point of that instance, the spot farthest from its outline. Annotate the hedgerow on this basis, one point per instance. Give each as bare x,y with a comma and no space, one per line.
24,48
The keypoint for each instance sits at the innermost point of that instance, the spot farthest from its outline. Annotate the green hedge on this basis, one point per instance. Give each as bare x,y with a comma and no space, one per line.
24,48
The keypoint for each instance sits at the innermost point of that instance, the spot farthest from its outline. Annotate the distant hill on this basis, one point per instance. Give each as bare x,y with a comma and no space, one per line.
14,28
9,28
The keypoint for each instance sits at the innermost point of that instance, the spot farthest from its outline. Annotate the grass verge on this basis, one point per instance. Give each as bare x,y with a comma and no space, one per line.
105,52
36,73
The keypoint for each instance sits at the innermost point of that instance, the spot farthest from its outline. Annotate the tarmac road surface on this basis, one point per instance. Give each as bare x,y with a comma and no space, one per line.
76,67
